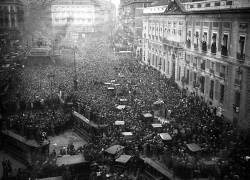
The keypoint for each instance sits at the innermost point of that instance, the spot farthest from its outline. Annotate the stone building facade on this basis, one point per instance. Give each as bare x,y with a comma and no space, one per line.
204,46
11,23
80,17
131,16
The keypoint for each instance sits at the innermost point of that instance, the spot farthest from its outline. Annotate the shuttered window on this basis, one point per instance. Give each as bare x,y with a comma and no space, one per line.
164,68
207,85
202,81
211,92
217,90
222,89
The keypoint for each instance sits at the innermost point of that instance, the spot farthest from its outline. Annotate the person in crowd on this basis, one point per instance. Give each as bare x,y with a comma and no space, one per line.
191,119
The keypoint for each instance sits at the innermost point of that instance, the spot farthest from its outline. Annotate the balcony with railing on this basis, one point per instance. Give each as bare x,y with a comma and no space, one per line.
204,46
213,48
196,84
222,75
237,82
195,65
211,71
196,46
203,66
236,108
224,51
188,44
172,43
241,57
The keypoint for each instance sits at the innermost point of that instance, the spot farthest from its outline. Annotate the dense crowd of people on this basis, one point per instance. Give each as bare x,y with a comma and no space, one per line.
193,121
38,124
190,119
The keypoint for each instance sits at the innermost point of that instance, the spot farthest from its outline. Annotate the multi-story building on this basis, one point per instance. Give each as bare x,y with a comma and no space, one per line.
164,37
105,15
77,18
11,23
131,15
211,54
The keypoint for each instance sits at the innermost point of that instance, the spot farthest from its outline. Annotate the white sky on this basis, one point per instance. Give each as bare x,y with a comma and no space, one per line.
116,2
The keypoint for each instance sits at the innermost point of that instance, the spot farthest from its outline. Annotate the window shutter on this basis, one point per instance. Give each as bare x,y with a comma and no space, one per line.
217,90
207,85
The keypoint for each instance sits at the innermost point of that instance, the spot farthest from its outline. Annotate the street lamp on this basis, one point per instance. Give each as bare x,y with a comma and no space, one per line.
75,76
159,66
51,77
159,83
196,85
236,106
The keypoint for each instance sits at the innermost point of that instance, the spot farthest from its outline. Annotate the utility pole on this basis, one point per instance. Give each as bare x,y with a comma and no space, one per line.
75,77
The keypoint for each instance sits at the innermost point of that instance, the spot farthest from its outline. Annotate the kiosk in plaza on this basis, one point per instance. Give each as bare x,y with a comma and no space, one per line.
159,108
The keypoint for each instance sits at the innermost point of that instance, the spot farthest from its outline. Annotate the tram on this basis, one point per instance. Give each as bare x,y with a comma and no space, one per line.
86,128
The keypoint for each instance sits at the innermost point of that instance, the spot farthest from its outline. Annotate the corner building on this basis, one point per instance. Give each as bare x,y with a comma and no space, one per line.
79,18
11,23
207,54
164,37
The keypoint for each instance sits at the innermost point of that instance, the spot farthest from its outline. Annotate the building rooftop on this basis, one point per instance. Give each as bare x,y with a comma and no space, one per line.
11,2
128,2
208,5
194,6
79,2
98,3
164,6
160,3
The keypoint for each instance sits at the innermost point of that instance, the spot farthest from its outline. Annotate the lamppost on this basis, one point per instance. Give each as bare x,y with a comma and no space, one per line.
159,83
75,74
236,106
51,77
159,66
196,86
